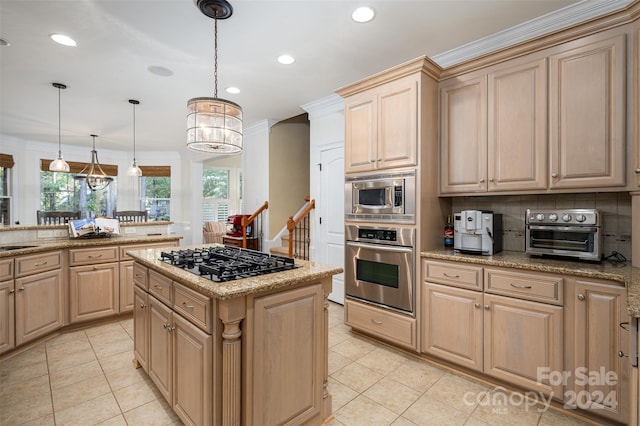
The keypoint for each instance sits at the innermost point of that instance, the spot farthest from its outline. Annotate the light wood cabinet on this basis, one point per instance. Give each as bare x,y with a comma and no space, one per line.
587,113
381,126
493,130
597,340
383,323
7,316
160,349
635,113
93,291
38,305
504,337
141,318
286,373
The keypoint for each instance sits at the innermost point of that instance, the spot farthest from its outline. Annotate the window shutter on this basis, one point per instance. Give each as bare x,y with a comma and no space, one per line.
156,171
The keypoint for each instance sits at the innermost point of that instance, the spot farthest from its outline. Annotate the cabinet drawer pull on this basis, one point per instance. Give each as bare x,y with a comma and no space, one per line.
158,287
376,322
520,285
138,276
451,276
622,354
41,263
624,325
187,306
94,256
581,296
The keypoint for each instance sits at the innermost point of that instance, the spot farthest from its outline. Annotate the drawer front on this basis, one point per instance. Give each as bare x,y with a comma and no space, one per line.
530,286
140,276
27,265
6,269
455,274
382,324
160,287
125,249
92,256
193,306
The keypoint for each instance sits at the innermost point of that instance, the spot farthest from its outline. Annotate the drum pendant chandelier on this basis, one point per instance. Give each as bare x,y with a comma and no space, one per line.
213,124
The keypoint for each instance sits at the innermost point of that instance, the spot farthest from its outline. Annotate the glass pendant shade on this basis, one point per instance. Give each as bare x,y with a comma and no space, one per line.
59,165
214,125
134,170
93,174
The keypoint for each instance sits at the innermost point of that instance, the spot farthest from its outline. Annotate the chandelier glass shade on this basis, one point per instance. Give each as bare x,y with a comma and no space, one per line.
59,165
134,170
214,124
93,174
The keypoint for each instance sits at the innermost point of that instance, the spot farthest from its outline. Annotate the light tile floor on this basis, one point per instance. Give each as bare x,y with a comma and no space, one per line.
87,377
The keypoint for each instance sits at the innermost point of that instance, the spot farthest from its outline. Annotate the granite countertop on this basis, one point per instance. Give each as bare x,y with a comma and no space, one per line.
621,272
47,245
308,271
6,228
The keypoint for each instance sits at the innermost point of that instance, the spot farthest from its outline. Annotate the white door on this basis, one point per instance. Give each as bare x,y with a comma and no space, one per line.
331,218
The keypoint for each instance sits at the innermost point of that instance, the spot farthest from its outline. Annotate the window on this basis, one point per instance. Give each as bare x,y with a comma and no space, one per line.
156,196
62,192
6,164
221,193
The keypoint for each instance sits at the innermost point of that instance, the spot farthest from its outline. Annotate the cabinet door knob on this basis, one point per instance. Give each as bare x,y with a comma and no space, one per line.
481,180
487,307
142,305
21,288
622,354
554,175
581,296
638,170
477,305
491,180
12,291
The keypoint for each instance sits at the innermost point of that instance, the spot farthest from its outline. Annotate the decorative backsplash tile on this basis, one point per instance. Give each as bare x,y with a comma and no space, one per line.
615,208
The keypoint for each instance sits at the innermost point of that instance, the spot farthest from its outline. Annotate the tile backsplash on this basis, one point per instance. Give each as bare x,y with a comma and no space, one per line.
615,208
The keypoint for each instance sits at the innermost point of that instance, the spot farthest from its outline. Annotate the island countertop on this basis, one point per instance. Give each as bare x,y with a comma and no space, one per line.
620,272
306,272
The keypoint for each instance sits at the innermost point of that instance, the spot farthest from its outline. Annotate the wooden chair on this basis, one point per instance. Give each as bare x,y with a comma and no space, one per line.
131,216
56,218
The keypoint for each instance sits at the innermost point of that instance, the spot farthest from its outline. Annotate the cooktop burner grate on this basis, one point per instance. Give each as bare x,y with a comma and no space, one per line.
225,263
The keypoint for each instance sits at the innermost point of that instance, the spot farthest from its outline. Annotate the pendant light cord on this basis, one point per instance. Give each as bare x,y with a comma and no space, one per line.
215,56
59,137
134,132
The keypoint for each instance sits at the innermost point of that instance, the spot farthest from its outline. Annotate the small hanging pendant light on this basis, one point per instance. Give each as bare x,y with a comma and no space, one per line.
59,165
214,124
93,174
134,170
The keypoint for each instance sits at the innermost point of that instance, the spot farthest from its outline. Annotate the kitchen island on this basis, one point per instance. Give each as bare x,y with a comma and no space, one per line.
247,351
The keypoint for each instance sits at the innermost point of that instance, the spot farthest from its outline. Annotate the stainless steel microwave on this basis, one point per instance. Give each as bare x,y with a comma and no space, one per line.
383,197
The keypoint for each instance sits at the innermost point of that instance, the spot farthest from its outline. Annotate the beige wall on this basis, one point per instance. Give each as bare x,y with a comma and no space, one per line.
288,170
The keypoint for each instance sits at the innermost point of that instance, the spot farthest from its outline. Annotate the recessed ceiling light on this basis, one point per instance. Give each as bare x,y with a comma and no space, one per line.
363,14
63,39
233,90
286,59
161,71
4,42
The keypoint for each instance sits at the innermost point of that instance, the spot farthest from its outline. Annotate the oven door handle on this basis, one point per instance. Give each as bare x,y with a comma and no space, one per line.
381,247
563,228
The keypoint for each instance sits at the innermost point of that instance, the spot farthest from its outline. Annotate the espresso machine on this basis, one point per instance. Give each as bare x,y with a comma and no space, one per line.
477,232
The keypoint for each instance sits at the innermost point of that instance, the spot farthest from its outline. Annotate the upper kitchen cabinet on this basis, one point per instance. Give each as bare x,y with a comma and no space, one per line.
381,126
587,113
390,119
493,130
636,102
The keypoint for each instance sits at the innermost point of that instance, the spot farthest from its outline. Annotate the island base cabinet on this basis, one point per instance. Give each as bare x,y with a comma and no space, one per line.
93,291
126,286
521,339
38,305
287,365
192,373
600,374
7,319
141,328
160,352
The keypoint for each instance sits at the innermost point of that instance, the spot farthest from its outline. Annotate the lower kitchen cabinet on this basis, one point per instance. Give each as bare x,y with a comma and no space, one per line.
38,305
93,291
382,323
141,327
600,370
179,360
126,286
7,319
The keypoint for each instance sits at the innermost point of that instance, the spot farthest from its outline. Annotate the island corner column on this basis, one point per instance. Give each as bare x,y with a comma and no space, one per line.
232,312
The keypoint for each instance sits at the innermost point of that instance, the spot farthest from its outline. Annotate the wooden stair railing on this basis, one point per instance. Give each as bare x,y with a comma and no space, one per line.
257,230
300,234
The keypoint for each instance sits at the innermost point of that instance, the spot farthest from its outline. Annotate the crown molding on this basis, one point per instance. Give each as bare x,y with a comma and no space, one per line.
324,106
566,17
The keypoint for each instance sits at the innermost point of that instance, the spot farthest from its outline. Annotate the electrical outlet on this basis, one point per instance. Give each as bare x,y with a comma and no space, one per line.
45,233
129,230
60,233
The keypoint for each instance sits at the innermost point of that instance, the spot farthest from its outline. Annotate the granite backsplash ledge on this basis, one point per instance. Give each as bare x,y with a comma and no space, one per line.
615,208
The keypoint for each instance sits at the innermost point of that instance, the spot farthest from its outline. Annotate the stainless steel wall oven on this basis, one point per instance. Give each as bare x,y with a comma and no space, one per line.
379,266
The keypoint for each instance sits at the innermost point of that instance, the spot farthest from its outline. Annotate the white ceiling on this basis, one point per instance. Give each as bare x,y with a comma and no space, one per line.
119,39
